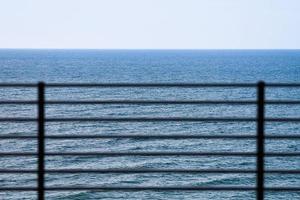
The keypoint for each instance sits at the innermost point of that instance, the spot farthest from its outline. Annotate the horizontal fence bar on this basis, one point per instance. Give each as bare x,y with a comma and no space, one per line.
18,119
132,136
154,153
149,119
226,102
17,102
282,84
150,85
279,102
132,119
21,85
133,102
130,188
131,171
154,188
136,137
230,171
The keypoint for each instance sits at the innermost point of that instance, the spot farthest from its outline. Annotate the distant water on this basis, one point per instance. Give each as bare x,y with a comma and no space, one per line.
149,66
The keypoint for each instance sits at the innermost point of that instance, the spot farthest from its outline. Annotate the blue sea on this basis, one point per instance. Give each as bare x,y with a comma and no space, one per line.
149,66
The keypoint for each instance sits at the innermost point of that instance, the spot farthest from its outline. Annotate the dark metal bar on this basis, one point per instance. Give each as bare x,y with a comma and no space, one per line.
19,171
71,102
205,102
225,102
179,188
18,119
282,120
18,102
260,140
151,85
41,141
132,136
231,171
146,153
279,102
150,119
169,85
132,119
133,188
169,119
157,153
170,136
169,154
17,154
152,153
17,137
103,171
16,85
282,84
154,188
286,137
153,102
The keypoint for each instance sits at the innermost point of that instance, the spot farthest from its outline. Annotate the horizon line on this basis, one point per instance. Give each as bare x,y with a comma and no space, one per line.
150,49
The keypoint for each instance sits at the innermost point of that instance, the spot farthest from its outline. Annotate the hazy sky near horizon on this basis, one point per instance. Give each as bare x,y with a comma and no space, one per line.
150,24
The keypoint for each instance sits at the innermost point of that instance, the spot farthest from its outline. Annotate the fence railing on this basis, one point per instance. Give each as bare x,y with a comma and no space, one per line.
260,137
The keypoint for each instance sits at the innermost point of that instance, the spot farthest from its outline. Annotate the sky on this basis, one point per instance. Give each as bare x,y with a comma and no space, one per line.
150,24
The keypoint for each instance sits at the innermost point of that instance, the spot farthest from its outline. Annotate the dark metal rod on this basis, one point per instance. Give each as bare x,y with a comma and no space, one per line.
41,141
154,102
16,85
282,84
182,188
163,102
149,119
154,188
132,171
133,136
151,85
146,153
17,102
172,153
153,119
260,140
131,102
133,188
153,153
18,119
288,102
231,171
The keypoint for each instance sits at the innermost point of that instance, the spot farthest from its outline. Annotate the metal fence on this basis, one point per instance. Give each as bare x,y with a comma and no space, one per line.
260,137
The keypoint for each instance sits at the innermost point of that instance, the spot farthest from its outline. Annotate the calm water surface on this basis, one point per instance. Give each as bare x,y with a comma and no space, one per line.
149,66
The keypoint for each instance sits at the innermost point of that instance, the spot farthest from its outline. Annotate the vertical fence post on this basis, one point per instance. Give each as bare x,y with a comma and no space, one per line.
41,140
260,140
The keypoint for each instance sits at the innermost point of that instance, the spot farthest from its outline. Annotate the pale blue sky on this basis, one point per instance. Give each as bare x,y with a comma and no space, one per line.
150,24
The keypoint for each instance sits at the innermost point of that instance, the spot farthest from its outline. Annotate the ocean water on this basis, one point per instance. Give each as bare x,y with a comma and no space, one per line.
134,66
